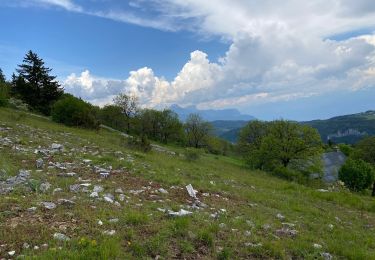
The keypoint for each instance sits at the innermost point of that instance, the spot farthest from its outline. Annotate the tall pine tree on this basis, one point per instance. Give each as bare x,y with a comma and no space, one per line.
2,76
35,85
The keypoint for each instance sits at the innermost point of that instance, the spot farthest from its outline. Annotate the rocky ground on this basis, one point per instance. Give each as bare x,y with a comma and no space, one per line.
71,193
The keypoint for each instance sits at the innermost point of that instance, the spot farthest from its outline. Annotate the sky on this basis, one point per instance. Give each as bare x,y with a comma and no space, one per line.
290,59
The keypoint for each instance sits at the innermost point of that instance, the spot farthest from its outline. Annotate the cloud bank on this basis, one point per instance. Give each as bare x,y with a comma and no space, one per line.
278,51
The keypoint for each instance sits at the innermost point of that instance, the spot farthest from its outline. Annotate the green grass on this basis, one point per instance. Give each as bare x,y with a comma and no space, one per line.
251,200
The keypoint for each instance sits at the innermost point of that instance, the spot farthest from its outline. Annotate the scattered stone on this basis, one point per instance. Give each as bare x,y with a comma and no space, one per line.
317,246
57,190
75,188
222,225
109,198
36,247
280,216
49,205
323,190
247,233
66,202
249,244
113,220
191,191
161,190
179,213
25,246
266,226
287,232
57,147
121,197
11,253
32,209
87,161
94,194
39,163
326,256
330,226
70,174
100,223
109,232
119,190
61,237
104,174
44,187
98,188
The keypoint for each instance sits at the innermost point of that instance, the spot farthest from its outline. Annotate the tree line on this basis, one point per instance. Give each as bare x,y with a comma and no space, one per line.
284,148
33,87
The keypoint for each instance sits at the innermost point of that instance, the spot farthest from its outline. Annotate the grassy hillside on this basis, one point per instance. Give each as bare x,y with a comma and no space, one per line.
346,129
249,214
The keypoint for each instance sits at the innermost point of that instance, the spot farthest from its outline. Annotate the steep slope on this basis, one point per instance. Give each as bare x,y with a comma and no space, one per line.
70,193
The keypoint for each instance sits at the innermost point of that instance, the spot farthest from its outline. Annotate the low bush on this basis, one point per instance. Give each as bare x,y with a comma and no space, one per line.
357,174
192,154
73,111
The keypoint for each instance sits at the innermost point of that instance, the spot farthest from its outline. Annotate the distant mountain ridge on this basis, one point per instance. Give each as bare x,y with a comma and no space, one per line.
340,129
211,114
347,128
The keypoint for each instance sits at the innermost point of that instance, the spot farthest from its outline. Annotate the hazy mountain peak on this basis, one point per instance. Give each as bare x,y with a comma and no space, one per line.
211,114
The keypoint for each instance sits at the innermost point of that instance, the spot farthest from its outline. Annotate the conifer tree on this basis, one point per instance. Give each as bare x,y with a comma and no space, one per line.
35,85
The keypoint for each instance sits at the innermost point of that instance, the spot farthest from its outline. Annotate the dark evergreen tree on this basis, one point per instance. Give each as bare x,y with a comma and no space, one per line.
2,76
35,85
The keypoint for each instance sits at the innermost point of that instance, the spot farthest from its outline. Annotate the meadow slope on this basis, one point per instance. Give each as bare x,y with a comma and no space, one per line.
242,214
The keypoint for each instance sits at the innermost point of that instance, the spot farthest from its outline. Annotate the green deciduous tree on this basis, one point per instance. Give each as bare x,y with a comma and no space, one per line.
287,141
73,111
357,174
197,130
365,150
112,116
272,145
250,140
129,106
35,85
163,126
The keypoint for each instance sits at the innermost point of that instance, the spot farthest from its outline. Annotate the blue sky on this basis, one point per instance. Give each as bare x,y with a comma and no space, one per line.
295,60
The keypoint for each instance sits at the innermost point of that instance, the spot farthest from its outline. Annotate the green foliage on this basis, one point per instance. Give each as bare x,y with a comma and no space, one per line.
4,94
357,174
18,104
141,143
129,106
163,126
197,131
192,154
73,111
2,77
250,140
218,146
34,85
278,144
346,149
112,116
365,150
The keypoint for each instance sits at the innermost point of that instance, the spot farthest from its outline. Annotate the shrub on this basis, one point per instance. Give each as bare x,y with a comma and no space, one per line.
191,154
357,174
73,111
346,149
4,93
142,143
18,104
